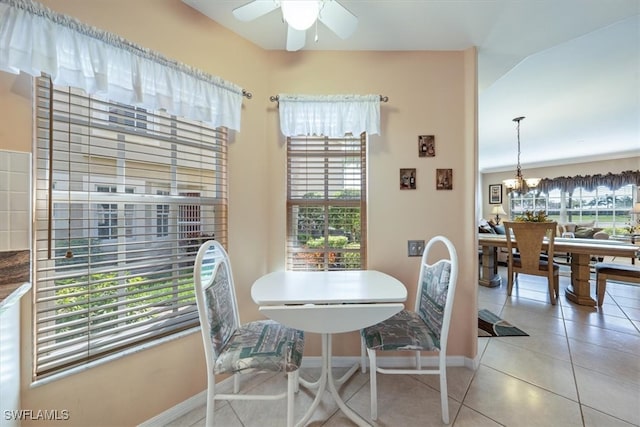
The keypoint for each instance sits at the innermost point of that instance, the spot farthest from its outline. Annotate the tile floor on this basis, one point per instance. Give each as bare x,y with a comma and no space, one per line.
580,366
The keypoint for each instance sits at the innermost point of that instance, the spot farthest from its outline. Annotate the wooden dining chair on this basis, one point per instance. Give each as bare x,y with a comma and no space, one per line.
231,347
424,329
525,246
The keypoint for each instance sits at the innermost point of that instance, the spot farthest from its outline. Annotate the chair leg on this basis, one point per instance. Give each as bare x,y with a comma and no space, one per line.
601,285
292,380
552,289
509,282
373,383
236,383
363,359
211,406
444,396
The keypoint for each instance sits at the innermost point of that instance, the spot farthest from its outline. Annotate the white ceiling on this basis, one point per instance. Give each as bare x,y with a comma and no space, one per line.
571,67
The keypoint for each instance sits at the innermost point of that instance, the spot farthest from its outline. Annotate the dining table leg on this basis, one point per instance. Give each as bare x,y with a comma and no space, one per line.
319,386
332,385
326,380
489,276
579,291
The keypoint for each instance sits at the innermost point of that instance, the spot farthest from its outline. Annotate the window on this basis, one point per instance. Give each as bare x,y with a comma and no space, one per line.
107,216
162,217
120,214
531,201
129,117
326,203
606,208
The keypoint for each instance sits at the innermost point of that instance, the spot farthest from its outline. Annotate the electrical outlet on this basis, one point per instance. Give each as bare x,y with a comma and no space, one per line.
415,247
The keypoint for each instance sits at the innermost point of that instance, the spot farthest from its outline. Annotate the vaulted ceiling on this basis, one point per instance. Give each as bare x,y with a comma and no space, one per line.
571,67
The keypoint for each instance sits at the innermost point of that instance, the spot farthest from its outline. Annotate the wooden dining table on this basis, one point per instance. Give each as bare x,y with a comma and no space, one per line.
581,251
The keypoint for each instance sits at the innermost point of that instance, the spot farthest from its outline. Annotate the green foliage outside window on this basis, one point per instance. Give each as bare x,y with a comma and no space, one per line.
102,304
341,219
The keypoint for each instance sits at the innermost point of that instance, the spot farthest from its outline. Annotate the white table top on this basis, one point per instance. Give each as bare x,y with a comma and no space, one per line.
329,301
327,287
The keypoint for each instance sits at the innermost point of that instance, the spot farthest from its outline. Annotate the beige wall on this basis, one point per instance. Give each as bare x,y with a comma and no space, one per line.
429,93
587,168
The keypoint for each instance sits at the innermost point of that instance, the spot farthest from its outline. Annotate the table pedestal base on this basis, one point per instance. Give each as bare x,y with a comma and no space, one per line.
580,289
489,276
326,379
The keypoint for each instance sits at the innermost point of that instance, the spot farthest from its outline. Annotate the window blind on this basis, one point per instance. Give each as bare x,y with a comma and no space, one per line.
326,203
124,198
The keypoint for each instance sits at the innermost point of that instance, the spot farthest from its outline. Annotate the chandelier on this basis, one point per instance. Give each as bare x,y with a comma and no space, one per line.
519,184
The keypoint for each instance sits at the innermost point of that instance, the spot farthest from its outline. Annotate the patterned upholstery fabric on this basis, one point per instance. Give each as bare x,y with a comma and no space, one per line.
256,346
408,330
403,331
435,284
263,345
220,309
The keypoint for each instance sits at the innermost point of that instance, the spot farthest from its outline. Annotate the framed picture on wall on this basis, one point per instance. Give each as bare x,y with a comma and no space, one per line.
426,146
495,193
444,179
408,179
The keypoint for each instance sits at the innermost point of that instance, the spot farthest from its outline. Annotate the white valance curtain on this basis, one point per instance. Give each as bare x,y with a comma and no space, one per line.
329,115
34,39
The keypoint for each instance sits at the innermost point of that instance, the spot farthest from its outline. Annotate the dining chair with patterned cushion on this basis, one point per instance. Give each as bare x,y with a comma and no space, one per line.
234,348
424,329
529,239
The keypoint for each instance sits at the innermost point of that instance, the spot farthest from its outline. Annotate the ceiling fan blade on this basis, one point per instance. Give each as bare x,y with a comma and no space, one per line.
296,39
254,9
338,19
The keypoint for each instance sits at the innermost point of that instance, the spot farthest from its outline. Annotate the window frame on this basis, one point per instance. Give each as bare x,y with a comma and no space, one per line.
96,297
336,202
577,207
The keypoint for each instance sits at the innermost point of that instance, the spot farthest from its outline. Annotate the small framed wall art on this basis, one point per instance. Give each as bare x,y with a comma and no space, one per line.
408,179
495,193
444,179
426,146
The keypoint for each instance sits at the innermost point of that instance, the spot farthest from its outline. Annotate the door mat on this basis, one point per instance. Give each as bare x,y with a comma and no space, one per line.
490,325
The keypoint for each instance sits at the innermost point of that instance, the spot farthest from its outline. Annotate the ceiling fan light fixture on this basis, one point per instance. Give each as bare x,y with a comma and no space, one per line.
300,14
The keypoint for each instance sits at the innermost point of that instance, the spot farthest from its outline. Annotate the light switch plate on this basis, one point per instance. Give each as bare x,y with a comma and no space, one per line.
415,247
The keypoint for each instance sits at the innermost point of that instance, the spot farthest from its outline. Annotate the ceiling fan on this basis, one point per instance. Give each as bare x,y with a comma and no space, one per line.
301,15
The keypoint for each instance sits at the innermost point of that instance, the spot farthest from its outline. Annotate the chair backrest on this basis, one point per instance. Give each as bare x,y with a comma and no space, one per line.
436,290
529,238
215,297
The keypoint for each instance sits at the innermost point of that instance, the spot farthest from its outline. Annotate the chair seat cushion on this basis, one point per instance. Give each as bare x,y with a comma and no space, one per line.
618,269
403,331
262,345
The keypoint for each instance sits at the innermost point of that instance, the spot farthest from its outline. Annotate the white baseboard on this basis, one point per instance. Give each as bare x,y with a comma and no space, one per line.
199,399
348,361
177,411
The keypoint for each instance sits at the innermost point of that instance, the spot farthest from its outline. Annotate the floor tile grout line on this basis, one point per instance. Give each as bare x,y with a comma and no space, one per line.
623,311
573,368
533,384
580,319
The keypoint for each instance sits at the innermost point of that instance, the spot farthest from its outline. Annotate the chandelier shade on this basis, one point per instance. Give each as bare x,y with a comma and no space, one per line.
520,184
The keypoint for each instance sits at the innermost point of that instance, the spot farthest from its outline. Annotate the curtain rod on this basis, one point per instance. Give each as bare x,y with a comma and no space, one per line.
276,98
247,94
